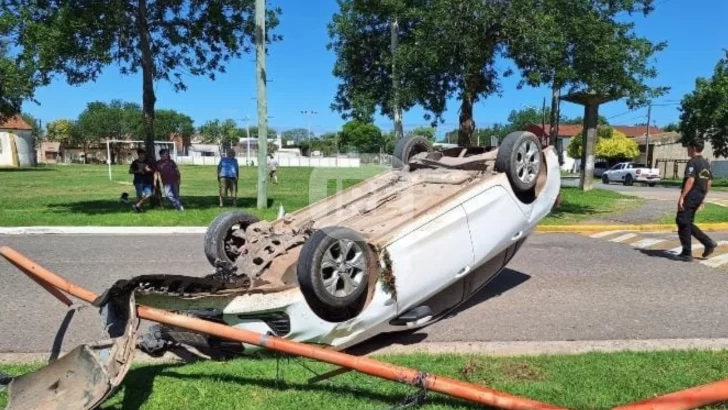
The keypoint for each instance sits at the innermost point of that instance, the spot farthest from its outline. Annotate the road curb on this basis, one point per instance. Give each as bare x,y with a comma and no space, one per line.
495,349
710,227
103,230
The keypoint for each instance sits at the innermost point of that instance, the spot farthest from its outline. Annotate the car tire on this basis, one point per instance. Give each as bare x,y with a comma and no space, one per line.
321,261
628,181
408,147
652,184
220,232
520,147
605,179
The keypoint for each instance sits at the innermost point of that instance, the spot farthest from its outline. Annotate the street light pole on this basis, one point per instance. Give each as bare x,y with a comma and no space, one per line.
309,113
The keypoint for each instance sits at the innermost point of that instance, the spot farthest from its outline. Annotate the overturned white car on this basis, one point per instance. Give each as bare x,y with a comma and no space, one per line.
395,252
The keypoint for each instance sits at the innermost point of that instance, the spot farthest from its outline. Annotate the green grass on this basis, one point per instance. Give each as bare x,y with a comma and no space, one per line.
77,195
578,206
711,214
589,381
719,184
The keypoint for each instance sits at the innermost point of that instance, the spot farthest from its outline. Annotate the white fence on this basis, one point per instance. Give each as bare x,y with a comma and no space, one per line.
286,161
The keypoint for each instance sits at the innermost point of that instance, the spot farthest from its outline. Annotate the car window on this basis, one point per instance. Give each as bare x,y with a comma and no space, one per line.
639,166
616,167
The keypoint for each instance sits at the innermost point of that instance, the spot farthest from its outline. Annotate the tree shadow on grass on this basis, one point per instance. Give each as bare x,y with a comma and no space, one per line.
109,206
139,383
25,169
565,210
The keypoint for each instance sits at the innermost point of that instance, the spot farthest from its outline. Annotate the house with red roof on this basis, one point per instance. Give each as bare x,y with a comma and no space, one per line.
17,145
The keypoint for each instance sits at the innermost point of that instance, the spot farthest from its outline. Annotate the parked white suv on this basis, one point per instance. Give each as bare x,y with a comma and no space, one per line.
628,173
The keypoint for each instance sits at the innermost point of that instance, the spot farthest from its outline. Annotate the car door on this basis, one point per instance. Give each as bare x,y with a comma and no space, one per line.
431,258
496,223
616,173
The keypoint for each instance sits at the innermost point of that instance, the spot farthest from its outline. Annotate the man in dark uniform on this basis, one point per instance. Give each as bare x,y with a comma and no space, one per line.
695,187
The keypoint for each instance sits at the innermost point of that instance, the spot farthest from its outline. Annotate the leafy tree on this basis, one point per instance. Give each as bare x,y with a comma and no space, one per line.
671,127
164,39
297,135
60,130
581,45
116,120
225,133
364,137
704,111
427,132
445,48
579,120
254,132
18,79
612,145
37,131
170,122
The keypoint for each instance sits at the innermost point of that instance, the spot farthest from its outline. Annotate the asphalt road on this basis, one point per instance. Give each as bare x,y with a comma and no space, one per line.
643,191
560,287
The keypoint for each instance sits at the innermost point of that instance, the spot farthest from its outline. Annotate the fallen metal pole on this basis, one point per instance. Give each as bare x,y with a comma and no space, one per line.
444,385
693,398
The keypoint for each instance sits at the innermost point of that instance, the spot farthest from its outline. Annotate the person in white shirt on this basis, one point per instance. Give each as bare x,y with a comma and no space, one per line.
273,168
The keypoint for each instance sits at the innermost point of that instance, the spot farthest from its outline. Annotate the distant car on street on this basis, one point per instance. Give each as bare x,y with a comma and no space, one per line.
628,173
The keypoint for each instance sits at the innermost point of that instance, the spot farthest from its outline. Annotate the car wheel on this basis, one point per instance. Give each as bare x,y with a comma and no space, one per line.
519,156
628,180
652,184
408,147
225,236
605,179
333,273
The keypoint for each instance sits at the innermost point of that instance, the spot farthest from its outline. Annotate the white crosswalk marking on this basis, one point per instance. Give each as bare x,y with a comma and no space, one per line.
677,250
624,237
646,243
603,234
696,246
716,261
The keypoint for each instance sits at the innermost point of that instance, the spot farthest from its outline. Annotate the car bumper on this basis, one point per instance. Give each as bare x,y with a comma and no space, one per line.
647,179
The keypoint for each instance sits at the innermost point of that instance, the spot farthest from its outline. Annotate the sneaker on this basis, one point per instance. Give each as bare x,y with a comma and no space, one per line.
709,250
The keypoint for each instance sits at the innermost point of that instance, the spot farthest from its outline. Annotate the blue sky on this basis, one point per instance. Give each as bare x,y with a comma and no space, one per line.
300,76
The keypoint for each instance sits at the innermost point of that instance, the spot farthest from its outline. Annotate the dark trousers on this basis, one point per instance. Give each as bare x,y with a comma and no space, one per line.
686,227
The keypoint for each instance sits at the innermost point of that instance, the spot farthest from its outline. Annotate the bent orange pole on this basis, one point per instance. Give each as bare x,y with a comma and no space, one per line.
693,398
444,385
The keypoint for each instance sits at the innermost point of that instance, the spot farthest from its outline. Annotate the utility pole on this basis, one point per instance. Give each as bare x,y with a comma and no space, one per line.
647,137
262,103
394,33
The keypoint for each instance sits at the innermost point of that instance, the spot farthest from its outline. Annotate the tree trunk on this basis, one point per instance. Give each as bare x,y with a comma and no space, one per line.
149,99
398,129
591,117
467,124
554,120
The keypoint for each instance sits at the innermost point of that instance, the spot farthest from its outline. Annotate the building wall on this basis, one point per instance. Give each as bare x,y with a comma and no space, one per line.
676,151
17,149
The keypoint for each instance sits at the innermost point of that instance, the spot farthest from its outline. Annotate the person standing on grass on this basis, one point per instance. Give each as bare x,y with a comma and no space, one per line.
143,170
272,168
695,187
170,177
228,172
